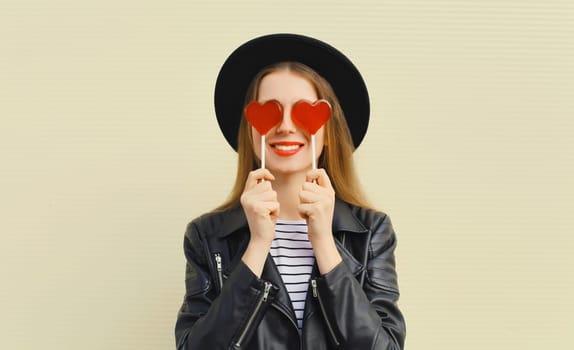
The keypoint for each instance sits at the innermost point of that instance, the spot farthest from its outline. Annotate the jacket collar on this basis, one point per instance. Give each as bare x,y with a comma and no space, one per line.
234,220
343,219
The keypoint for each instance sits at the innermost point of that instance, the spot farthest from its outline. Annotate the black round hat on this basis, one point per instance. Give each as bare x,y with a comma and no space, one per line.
246,61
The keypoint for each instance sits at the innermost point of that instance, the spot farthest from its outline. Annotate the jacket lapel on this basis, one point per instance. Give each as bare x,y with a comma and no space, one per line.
282,299
344,220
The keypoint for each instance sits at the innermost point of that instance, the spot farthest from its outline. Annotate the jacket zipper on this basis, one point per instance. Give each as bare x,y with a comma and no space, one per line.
286,315
324,312
262,299
219,268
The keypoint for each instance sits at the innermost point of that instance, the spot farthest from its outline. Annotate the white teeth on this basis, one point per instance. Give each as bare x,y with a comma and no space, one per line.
286,148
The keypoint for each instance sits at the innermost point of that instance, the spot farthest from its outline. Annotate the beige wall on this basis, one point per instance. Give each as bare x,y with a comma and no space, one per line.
109,146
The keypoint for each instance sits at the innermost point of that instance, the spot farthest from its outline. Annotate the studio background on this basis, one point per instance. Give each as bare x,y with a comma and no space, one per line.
109,147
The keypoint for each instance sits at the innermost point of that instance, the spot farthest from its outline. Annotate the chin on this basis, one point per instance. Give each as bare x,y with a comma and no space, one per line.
287,170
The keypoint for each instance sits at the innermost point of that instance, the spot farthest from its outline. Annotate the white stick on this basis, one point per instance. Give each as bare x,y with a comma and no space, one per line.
262,151
313,151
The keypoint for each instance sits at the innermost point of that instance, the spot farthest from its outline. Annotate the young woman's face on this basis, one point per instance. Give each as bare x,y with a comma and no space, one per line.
288,148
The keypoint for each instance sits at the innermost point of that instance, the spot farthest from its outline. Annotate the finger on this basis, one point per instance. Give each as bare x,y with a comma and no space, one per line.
267,196
267,175
255,177
264,186
323,179
260,192
257,189
312,175
273,208
320,176
311,187
262,174
266,209
253,200
309,197
305,209
315,188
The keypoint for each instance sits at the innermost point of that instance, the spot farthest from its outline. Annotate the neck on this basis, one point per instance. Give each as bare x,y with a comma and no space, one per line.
288,188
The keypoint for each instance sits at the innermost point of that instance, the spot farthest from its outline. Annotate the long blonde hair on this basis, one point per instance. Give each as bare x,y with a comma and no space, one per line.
337,155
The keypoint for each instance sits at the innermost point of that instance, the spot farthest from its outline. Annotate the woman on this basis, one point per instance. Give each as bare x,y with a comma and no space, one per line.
296,258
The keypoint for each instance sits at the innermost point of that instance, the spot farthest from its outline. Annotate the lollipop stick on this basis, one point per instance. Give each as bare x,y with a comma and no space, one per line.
262,151
314,161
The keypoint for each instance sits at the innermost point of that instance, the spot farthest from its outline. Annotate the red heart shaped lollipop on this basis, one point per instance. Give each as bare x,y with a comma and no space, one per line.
264,116
311,117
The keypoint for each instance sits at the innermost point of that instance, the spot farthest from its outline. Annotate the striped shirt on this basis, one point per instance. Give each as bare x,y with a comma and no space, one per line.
293,255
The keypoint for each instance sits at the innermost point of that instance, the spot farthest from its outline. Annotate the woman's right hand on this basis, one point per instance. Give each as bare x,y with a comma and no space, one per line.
260,205
261,208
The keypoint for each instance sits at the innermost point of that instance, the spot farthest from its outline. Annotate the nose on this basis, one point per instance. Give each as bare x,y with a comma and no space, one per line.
286,126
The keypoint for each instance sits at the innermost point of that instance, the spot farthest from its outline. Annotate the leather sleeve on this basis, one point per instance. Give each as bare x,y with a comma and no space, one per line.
207,320
367,317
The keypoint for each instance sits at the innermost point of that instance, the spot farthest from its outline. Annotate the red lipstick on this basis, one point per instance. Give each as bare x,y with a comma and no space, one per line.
286,148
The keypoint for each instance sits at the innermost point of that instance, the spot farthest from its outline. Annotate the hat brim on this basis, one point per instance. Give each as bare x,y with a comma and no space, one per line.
245,62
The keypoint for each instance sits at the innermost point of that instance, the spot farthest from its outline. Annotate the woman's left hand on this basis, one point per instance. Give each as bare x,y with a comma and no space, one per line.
316,205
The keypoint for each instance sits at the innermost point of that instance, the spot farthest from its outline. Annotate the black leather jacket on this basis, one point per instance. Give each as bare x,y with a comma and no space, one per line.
352,307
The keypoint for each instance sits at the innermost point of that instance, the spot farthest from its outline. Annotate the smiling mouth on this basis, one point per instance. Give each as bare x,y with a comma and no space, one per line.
286,148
